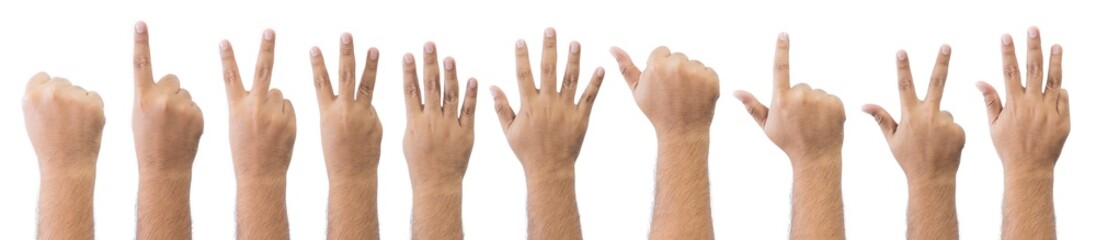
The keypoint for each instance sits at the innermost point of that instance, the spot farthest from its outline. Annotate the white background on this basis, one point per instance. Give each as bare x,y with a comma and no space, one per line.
844,47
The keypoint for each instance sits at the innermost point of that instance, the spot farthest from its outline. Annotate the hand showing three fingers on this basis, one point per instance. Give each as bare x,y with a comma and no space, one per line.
926,142
1030,131
351,134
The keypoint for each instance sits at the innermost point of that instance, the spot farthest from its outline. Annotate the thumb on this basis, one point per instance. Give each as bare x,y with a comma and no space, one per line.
759,112
627,68
502,108
992,100
884,119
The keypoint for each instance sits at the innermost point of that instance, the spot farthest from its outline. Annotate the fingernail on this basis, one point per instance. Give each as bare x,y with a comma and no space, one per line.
407,58
1033,32
574,47
448,63
268,34
521,43
946,50
141,28
1006,40
784,36
429,48
373,54
549,32
315,51
600,72
494,92
224,45
1056,49
902,55
472,83
346,38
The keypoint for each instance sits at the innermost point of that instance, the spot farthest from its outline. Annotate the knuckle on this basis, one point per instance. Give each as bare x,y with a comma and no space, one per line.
411,89
230,76
589,98
365,88
525,74
905,84
1011,71
547,69
450,97
141,62
1033,68
782,66
569,80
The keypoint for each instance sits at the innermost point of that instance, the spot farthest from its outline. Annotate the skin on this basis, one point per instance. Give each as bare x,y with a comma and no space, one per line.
927,144
65,126
808,124
166,128
262,129
678,96
437,145
1029,133
546,136
351,134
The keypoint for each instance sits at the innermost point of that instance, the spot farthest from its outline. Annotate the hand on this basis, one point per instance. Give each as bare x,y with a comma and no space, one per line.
676,94
1030,131
166,123
806,123
548,131
437,143
65,125
350,129
262,124
927,142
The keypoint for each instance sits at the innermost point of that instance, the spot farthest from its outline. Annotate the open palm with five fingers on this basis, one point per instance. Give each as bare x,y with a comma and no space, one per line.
548,130
547,134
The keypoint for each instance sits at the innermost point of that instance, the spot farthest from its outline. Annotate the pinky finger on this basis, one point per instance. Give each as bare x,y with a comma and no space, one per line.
468,111
588,96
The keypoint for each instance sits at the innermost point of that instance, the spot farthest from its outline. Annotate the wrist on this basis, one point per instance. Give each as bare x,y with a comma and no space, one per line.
1033,165
816,162
682,133
67,167
562,174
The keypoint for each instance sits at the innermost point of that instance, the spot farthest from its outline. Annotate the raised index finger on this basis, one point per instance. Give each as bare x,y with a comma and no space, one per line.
142,57
781,71
939,76
265,65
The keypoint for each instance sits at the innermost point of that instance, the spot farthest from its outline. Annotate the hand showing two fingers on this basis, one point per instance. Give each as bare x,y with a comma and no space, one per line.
801,121
262,124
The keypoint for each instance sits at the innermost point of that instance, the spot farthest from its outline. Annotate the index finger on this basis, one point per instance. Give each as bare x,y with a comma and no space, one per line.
233,86
905,82
265,65
142,57
781,72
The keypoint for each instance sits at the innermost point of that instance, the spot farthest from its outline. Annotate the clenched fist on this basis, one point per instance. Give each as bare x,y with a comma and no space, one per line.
65,124
678,95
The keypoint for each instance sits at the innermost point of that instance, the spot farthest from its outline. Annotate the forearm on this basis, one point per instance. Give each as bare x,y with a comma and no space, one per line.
931,213
260,208
436,211
817,207
65,205
552,208
682,198
1029,204
163,205
352,207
